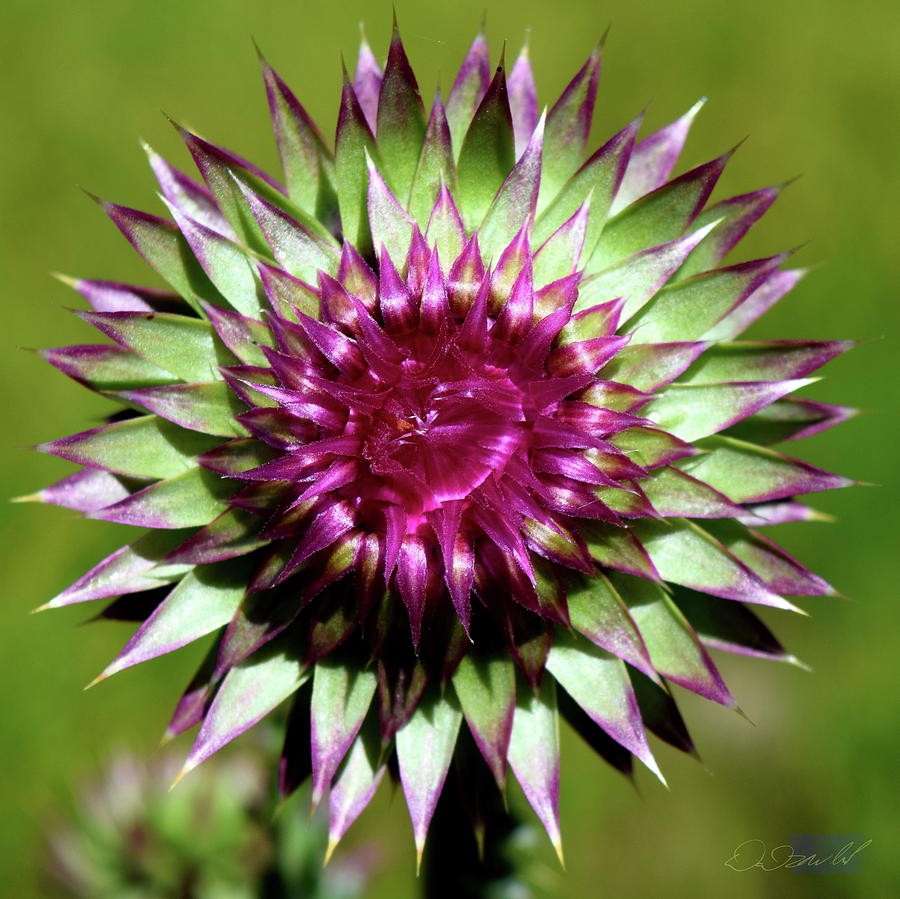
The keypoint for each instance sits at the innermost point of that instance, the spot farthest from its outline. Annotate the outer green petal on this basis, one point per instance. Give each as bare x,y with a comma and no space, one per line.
249,692
183,346
341,698
534,754
145,447
424,750
674,648
189,499
487,693
205,600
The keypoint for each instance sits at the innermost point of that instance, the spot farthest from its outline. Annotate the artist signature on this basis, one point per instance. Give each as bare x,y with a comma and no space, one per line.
755,854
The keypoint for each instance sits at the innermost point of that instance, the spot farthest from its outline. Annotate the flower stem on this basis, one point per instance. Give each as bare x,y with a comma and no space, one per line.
467,854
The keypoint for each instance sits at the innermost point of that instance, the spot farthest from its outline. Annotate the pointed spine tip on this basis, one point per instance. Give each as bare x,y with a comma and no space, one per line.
68,280
478,832
558,848
726,156
790,607
651,765
787,183
27,498
185,134
100,677
259,53
188,767
603,38
92,196
798,663
329,850
692,112
526,44
743,714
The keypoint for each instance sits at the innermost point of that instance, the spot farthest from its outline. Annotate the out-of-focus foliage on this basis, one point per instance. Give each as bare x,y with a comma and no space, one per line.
815,85
213,837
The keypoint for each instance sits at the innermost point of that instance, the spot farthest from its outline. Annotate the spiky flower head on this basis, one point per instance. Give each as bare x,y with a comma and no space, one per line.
451,419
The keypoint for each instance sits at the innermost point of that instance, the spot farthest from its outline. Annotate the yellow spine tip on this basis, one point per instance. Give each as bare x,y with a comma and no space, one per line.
557,845
100,677
329,850
68,280
188,767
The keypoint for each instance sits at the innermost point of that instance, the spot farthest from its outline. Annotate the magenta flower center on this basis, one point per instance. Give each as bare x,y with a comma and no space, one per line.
444,421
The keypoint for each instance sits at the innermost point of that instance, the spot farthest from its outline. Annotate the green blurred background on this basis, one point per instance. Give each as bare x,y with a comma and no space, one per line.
815,86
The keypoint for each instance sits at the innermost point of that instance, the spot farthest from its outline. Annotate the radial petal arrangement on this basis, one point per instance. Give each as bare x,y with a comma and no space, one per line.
446,437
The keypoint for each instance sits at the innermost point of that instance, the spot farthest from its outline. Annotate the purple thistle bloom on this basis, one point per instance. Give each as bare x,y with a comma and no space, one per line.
455,418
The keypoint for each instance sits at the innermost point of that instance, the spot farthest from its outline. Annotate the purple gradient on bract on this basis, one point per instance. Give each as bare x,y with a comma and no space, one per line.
367,81
522,100
653,159
113,296
85,491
